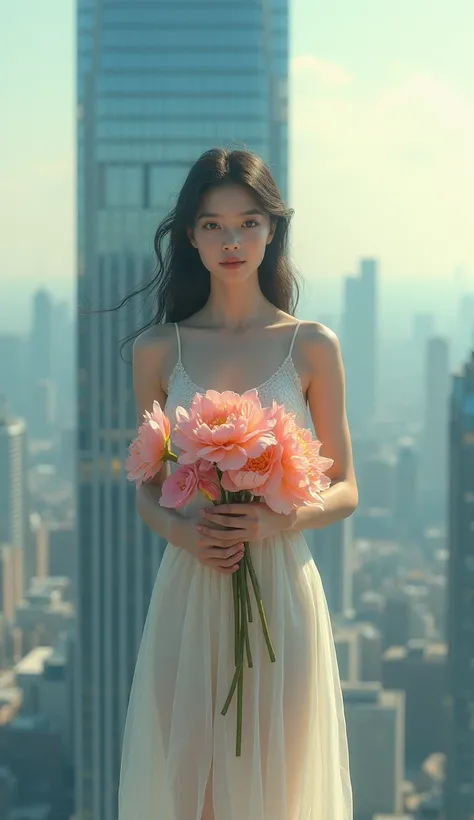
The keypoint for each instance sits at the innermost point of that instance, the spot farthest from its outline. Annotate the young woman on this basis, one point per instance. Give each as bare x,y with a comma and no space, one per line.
225,294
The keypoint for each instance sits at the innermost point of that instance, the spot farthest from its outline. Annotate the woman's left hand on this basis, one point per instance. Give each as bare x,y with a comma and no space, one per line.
246,522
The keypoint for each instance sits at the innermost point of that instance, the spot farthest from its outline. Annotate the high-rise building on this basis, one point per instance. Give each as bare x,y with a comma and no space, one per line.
435,434
331,550
14,375
376,733
419,670
359,342
14,506
460,774
158,84
40,336
406,505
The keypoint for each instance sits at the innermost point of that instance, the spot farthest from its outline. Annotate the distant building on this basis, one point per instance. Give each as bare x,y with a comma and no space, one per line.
419,670
359,654
331,548
406,502
359,342
434,448
14,500
375,727
40,336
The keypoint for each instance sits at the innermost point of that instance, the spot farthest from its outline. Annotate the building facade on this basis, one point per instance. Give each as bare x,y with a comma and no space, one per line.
157,84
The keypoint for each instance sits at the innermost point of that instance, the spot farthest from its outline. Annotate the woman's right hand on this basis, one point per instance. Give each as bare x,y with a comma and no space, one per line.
215,554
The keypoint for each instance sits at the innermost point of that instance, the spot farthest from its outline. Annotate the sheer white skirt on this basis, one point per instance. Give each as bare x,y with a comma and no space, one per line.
178,758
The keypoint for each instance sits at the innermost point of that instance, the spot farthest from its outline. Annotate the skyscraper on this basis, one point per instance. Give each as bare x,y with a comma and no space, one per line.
331,548
376,732
14,506
406,512
40,336
158,83
435,431
359,342
460,773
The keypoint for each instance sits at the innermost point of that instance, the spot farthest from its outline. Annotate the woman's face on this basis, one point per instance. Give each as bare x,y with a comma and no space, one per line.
231,233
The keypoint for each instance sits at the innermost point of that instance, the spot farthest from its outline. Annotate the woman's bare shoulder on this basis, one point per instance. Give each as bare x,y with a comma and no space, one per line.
318,347
154,348
155,337
316,332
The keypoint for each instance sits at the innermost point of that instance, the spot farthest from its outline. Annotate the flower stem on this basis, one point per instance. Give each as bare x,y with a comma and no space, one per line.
258,596
247,591
242,617
240,681
231,690
244,595
235,590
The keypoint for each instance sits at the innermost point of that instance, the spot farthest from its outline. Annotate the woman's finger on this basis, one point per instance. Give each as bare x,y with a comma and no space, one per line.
235,521
222,536
215,541
223,554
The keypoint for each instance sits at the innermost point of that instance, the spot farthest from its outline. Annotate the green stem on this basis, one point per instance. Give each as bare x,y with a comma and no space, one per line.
245,597
258,596
242,617
236,596
171,457
247,592
240,682
238,670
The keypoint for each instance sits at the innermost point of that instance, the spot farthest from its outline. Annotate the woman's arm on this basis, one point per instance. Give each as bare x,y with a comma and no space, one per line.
326,400
149,351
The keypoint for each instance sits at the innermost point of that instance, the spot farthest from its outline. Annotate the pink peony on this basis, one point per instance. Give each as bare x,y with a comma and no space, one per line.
302,467
224,428
317,464
180,487
257,474
150,447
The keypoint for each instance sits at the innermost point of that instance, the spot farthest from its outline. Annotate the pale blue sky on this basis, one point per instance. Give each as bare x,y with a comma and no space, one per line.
382,129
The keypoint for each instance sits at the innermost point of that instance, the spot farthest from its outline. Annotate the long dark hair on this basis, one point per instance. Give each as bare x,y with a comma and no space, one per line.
181,284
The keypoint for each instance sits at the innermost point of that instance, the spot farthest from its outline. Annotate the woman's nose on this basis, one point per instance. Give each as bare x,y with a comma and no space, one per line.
231,243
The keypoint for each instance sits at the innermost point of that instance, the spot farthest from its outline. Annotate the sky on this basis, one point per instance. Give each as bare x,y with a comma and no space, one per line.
381,139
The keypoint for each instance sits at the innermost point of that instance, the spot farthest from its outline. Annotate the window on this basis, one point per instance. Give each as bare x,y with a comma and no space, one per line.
123,186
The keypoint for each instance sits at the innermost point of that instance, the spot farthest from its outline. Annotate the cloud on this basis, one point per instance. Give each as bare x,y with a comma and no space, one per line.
325,73
418,118
388,173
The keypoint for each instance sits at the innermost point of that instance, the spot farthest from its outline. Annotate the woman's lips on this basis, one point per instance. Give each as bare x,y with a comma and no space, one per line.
233,264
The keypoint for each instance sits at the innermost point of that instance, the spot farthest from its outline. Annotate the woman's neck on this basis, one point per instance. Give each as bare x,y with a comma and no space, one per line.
237,307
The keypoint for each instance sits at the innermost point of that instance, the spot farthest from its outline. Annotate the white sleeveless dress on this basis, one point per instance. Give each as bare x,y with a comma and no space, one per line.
178,757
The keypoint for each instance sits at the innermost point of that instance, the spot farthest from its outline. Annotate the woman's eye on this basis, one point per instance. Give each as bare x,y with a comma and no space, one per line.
210,226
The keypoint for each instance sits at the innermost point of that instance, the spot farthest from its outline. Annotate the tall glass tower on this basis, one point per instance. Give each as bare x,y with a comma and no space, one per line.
158,83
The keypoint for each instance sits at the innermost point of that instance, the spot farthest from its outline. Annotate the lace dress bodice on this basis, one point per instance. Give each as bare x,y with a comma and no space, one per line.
284,386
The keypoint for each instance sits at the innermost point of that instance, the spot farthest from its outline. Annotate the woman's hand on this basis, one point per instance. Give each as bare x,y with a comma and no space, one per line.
216,552
244,522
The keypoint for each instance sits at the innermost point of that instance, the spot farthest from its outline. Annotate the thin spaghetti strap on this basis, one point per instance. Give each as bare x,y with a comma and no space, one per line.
293,339
178,337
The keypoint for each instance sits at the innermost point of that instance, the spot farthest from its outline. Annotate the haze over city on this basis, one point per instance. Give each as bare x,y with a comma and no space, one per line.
381,161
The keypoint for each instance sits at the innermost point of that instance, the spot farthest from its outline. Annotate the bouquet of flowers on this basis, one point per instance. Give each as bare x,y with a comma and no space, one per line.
233,450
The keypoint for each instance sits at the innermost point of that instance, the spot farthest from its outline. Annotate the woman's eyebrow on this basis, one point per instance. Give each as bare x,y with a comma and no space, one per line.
250,212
